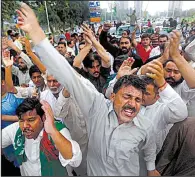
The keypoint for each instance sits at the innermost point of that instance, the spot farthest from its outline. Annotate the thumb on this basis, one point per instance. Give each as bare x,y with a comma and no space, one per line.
134,70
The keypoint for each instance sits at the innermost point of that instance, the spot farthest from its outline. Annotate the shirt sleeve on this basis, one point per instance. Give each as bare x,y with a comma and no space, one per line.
175,109
8,134
66,75
109,90
15,70
26,59
77,154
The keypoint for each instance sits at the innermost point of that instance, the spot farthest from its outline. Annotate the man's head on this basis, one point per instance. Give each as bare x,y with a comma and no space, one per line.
17,35
92,63
3,83
35,75
70,44
62,40
53,84
127,97
22,65
151,95
157,30
126,33
74,37
10,33
81,45
114,42
145,39
172,74
62,32
163,38
125,44
31,117
62,48
51,40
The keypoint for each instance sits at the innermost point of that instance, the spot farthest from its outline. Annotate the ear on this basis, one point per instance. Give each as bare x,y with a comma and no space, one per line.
43,118
157,96
112,97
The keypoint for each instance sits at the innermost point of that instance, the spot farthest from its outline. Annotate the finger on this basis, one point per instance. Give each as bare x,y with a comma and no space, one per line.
156,64
153,71
133,71
151,75
21,15
25,7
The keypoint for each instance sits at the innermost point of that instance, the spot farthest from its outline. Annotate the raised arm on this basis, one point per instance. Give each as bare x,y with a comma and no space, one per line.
99,48
34,58
133,36
186,70
58,66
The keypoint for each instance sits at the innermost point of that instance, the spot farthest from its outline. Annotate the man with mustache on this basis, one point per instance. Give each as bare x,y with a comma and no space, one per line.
42,146
124,46
116,135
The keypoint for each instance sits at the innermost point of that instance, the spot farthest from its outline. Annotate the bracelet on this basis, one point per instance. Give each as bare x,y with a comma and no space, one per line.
162,85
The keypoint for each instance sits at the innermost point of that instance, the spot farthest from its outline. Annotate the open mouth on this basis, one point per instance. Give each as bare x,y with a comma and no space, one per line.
129,112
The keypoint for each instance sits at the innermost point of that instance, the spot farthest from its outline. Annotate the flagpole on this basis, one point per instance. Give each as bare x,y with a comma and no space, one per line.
47,17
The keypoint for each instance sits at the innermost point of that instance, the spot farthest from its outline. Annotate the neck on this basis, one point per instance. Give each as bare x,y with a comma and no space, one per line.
3,95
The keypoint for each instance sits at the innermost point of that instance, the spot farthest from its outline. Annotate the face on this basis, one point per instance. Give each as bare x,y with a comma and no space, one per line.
95,70
31,124
162,41
37,79
73,39
151,96
157,30
53,85
72,44
172,74
125,45
124,34
145,41
62,49
21,65
81,46
127,102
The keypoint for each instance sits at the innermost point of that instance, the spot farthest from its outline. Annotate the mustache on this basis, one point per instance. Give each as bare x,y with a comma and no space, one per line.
27,130
170,79
129,107
96,72
124,48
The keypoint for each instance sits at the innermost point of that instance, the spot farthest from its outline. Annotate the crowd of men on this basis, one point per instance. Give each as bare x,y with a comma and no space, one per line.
92,105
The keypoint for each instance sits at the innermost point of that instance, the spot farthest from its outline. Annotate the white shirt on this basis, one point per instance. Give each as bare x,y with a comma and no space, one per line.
70,50
155,51
18,44
188,96
32,167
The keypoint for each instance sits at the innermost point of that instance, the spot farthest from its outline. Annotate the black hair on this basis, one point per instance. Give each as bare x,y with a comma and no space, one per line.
74,35
9,32
34,69
130,80
145,35
125,38
162,36
114,40
90,58
16,34
30,104
149,81
61,39
82,43
165,63
128,31
13,53
2,73
62,43
69,43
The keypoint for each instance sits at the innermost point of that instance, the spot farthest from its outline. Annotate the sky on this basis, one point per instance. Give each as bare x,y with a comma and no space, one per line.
154,6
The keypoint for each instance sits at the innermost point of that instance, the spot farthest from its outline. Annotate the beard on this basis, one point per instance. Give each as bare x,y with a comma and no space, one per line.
22,68
125,50
56,90
172,81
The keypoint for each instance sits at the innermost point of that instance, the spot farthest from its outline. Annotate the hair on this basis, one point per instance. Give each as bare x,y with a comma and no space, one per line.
61,39
62,43
162,36
69,43
118,62
13,53
130,80
50,37
33,69
74,35
9,32
30,104
145,35
125,38
128,31
165,63
2,73
82,43
114,40
149,81
90,58
16,34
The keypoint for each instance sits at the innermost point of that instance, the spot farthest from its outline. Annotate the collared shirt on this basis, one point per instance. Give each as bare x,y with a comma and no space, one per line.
155,51
141,51
113,149
32,167
169,109
23,78
188,96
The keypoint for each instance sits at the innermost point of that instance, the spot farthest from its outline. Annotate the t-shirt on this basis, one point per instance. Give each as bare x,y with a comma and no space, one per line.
141,51
9,105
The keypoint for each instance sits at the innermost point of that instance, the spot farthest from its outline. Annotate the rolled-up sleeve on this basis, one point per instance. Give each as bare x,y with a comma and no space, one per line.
76,151
26,59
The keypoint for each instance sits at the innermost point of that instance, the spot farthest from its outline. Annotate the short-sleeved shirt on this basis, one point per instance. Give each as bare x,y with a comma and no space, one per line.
9,106
144,55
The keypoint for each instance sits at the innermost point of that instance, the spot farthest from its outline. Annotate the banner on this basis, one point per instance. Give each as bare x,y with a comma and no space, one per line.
95,11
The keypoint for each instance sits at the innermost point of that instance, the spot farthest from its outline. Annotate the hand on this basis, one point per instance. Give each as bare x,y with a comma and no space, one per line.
88,32
11,44
125,68
165,55
156,72
87,40
35,93
49,117
153,173
65,93
107,26
6,58
174,44
27,20
4,43
27,45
